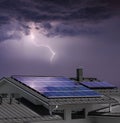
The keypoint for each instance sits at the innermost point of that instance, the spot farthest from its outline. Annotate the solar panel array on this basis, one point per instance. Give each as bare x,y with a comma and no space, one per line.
56,87
95,85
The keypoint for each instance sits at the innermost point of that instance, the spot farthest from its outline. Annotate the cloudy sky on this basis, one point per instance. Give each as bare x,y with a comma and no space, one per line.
54,37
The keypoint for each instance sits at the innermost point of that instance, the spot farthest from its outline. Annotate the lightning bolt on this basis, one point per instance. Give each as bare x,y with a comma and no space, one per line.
32,37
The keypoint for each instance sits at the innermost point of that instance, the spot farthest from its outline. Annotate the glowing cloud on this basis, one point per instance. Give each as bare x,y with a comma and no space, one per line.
40,43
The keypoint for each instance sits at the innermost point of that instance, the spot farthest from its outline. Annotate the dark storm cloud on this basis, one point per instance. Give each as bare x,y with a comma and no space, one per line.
64,29
78,10
64,11
4,20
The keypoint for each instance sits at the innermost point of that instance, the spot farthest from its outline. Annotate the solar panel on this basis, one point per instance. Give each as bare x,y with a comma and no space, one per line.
96,85
56,87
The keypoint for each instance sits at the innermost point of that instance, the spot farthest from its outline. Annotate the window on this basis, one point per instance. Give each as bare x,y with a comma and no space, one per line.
78,114
59,112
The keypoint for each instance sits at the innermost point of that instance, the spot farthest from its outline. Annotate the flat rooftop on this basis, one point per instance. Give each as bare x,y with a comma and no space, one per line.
112,111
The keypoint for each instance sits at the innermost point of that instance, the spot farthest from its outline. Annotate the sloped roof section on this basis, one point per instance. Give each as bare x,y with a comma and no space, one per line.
56,87
12,113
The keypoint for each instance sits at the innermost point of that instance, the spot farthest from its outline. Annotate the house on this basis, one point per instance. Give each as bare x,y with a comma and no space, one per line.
43,99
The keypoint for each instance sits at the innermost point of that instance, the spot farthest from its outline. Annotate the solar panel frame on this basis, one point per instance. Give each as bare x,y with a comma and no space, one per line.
56,87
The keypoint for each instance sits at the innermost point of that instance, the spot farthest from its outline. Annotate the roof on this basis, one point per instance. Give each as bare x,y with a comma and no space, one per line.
112,111
14,112
109,92
60,101
82,100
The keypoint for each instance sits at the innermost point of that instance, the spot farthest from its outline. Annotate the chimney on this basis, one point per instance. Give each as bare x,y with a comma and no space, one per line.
79,72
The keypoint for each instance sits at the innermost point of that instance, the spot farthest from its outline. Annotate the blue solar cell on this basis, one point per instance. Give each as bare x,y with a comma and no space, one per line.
66,88
56,87
72,94
98,85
